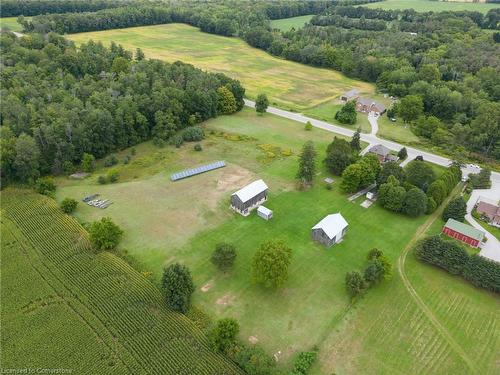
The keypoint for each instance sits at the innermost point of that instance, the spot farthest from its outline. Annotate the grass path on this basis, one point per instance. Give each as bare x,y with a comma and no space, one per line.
415,296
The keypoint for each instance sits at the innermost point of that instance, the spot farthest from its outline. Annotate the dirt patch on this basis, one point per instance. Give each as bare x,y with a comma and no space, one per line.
205,288
226,299
233,177
253,340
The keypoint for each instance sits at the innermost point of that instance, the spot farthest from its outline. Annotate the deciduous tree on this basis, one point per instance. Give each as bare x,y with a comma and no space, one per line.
178,287
270,264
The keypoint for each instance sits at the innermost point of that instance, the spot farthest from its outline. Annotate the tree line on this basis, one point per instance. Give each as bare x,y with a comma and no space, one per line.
12,8
60,103
453,258
449,68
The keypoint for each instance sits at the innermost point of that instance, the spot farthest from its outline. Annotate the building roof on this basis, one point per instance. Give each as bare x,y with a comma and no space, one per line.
379,150
371,103
464,229
251,190
266,211
332,225
488,209
351,93
365,101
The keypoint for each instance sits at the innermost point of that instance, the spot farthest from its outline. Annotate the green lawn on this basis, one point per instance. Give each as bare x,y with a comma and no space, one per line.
182,221
291,85
436,6
10,23
326,112
493,230
286,24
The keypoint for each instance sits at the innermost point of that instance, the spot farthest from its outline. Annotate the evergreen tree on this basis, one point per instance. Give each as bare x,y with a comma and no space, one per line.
223,256
139,54
307,163
226,103
339,155
355,141
403,153
456,209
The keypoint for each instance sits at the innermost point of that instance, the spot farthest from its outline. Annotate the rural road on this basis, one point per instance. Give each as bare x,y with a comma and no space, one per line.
491,248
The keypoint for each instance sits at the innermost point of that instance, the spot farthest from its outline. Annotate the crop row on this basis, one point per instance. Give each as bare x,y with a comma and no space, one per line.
126,303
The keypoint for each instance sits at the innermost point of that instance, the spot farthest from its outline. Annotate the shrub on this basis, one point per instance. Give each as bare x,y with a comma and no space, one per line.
223,335
113,176
45,186
403,153
329,187
261,103
431,205
252,359
178,287
308,126
177,140
197,147
126,159
110,161
104,234
456,209
68,205
133,151
223,256
193,134
88,162
304,362
354,283
102,180
374,272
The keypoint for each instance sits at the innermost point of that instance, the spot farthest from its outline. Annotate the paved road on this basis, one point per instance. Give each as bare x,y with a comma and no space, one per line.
491,248
372,139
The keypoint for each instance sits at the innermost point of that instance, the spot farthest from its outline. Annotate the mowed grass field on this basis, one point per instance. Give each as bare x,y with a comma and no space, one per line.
435,6
386,332
63,306
291,85
286,24
10,23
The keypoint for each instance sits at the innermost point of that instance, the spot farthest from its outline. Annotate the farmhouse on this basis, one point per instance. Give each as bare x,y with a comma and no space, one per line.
350,95
383,153
249,197
489,210
330,230
463,232
368,105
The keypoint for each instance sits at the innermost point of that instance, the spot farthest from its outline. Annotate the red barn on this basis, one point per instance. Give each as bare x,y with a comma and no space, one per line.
463,232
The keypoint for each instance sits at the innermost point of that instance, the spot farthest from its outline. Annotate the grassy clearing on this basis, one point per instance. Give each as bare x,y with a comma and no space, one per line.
493,230
286,24
90,313
10,23
326,112
282,323
388,318
436,6
291,85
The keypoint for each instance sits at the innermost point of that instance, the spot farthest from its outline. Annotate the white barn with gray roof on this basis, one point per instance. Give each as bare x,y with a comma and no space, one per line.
330,230
251,196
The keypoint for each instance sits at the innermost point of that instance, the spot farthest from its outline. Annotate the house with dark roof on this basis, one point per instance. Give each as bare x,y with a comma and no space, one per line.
249,197
489,211
463,232
368,105
383,153
330,230
350,95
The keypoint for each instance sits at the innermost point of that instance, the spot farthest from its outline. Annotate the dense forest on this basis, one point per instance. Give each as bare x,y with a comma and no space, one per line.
59,102
12,8
446,63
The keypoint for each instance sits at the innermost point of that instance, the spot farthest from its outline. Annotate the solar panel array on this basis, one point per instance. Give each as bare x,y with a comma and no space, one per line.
194,171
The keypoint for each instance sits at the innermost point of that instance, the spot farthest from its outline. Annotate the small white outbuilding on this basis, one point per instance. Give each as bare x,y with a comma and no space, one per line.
330,230
264,212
